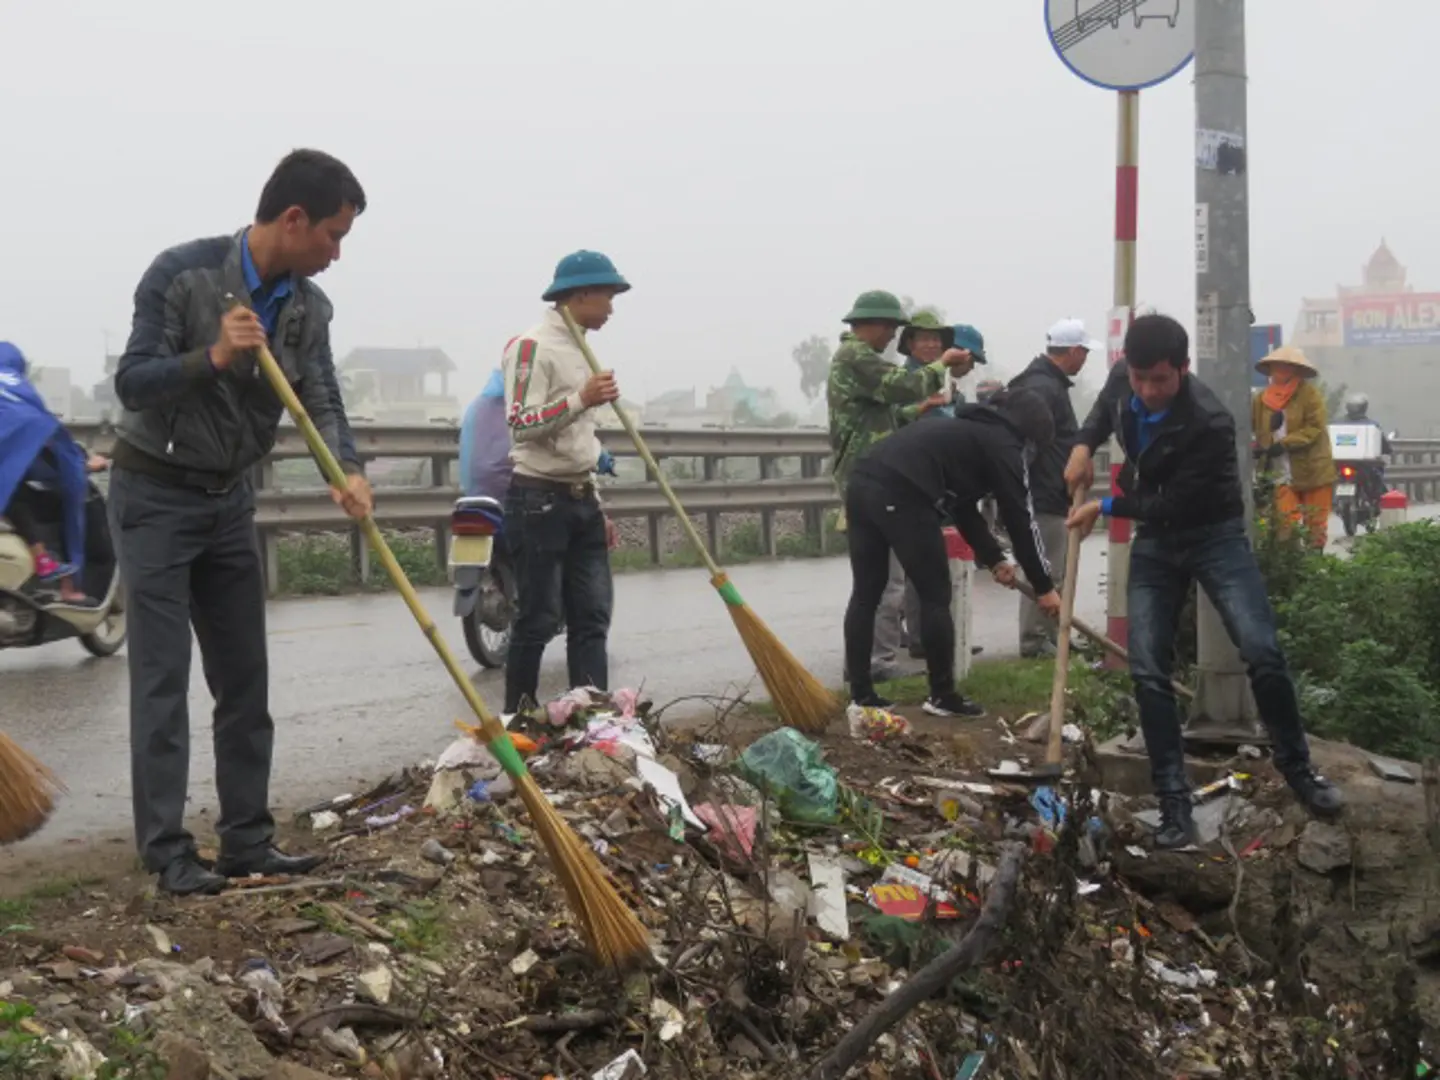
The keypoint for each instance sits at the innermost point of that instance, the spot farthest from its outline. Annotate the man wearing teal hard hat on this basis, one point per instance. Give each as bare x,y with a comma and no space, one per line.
865,394
555,531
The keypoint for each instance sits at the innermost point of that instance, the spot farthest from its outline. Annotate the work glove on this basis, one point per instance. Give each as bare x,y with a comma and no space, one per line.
1274,452
606,465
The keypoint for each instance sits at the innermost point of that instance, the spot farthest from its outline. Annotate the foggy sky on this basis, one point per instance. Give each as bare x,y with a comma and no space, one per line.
750,166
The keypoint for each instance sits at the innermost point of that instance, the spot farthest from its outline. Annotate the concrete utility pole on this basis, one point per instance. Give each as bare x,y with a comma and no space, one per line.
1224,710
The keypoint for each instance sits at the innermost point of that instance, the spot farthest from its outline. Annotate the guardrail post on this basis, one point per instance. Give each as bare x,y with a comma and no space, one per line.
442,543
814,519
439,471
768,544
652,529
269,541
712,517
359,556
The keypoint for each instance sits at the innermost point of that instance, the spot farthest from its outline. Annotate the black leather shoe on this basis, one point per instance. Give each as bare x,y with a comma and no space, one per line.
186,876
268,861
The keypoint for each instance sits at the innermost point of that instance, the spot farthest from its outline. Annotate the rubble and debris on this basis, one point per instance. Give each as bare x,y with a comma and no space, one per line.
793,887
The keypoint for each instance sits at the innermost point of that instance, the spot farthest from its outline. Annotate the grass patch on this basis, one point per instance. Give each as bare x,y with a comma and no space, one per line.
62,887
419,929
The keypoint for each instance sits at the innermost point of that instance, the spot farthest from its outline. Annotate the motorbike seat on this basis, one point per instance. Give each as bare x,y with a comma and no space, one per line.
477,502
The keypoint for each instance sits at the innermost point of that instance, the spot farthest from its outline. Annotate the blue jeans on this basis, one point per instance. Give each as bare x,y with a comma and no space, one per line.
557,543
1220,559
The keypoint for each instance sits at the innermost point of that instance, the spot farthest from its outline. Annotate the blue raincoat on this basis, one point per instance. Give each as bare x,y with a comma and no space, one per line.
26,428
485,465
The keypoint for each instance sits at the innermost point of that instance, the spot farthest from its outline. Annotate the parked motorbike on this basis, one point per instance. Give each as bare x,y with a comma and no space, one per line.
31,614
484,578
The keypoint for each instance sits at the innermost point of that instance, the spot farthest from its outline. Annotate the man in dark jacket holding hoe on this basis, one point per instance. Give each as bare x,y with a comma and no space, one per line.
198,414
1181,485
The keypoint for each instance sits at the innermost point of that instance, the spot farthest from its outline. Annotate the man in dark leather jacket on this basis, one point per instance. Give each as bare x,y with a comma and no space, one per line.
198,415
1181,485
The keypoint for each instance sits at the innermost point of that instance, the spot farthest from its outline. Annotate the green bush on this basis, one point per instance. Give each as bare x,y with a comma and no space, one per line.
1363,635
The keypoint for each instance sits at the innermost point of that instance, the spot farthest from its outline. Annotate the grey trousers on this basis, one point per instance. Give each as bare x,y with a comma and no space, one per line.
192,559
887,619
1037,631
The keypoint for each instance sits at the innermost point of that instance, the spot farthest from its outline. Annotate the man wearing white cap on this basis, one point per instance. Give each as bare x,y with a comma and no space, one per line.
1050,374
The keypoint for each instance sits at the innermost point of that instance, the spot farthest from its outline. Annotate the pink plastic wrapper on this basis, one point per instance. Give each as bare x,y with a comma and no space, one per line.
732,828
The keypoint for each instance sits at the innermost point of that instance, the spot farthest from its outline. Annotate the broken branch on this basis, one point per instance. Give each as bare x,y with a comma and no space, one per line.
935,975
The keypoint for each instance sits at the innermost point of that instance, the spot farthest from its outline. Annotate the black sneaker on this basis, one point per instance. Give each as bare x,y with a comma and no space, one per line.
1177,823
954,704
872,700
1318,795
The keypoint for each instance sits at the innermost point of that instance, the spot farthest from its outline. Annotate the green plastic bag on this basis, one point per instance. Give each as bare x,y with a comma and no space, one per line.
790,767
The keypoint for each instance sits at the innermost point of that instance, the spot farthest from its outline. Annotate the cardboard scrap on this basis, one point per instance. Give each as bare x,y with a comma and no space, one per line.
827,897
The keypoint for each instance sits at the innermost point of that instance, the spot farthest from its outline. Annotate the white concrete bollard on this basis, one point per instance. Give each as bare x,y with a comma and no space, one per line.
962,582
1394,508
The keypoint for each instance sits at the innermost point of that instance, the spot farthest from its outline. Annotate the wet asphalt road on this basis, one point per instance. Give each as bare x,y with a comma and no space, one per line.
356,692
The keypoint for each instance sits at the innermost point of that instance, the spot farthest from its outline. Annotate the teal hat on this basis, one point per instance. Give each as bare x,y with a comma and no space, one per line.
924,320
584,270
967,337
877,305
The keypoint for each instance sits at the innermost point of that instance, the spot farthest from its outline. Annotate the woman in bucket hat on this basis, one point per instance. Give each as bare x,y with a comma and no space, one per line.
1292,442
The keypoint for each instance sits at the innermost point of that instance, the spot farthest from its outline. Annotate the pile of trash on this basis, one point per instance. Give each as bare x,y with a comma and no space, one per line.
786,900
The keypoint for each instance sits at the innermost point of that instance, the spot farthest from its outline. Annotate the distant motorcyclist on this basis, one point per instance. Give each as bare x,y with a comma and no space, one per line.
1357,408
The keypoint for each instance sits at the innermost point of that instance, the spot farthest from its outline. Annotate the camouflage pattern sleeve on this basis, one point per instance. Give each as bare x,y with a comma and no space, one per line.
870,375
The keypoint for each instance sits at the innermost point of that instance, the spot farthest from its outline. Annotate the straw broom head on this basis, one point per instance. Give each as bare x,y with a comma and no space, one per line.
27,793
615,935
800,698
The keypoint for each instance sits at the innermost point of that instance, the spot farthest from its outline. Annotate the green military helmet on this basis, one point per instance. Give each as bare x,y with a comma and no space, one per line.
924,320
877,306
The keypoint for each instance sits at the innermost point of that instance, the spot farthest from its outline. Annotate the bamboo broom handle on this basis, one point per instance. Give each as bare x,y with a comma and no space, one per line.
644,451
335,476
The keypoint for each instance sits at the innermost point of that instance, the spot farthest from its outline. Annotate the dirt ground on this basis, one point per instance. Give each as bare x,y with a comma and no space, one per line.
439,945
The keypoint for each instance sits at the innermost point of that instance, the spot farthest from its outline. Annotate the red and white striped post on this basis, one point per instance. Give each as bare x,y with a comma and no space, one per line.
1127,202
962,581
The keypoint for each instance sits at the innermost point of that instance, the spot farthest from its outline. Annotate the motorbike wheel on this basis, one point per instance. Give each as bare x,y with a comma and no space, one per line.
109,636
1347,516
488,647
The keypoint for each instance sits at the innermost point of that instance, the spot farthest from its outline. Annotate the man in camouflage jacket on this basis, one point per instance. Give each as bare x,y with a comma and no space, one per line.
866,394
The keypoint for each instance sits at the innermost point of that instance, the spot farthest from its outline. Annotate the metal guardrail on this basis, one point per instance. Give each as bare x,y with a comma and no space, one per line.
1415,470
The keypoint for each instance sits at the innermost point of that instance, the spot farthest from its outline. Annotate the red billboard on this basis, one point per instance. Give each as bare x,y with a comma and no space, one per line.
1395,319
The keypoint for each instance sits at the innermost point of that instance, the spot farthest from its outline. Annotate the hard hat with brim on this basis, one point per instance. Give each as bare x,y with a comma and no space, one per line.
584,270
923,320
877,306
967,337
1287,354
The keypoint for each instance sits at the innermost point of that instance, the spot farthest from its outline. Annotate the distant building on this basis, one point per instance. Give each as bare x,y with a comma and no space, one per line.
734,398
103,393
53,386
1382,338
399,386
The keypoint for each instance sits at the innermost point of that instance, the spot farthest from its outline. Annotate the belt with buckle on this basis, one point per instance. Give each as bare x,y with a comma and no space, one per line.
568,488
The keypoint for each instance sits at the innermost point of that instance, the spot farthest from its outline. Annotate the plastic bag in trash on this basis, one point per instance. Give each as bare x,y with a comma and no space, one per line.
790,767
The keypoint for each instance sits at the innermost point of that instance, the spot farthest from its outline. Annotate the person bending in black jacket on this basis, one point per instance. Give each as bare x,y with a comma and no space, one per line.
1181,485
899,492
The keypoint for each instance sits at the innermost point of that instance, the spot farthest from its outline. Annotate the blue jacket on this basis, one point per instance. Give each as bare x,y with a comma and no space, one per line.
27,427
